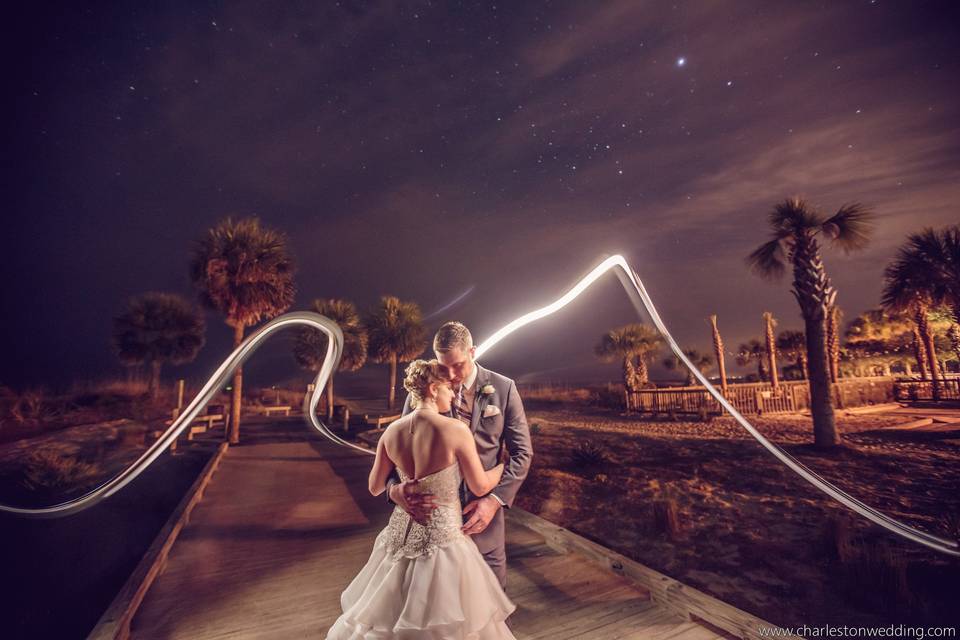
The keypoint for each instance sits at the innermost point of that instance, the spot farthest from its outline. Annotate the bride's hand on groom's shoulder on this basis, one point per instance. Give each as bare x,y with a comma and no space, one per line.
418,505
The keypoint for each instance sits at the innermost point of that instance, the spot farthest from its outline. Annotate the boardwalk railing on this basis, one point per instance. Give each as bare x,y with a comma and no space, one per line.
760,397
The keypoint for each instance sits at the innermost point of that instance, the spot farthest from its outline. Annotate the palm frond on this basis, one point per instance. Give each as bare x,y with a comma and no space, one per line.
768,260
849,228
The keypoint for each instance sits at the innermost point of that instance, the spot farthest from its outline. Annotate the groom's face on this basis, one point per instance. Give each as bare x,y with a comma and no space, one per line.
460,363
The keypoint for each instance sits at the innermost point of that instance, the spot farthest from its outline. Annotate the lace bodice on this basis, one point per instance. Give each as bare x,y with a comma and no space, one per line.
403,536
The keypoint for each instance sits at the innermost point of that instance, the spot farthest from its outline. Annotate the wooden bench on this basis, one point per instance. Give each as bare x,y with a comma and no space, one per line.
380,421
216,413
269,410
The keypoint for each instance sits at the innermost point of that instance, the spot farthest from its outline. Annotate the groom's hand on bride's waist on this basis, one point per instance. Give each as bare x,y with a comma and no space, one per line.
418,505
481,513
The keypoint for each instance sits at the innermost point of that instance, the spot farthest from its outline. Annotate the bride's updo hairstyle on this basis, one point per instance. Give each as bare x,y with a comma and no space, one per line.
420,374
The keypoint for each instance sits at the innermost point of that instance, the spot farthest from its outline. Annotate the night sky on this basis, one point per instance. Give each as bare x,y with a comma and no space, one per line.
429,149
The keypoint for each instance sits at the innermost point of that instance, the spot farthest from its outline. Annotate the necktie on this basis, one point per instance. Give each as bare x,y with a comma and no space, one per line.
460,410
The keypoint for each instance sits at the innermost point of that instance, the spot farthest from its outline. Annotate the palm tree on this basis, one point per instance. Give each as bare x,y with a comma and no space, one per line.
753,350
243,271
793,344
937,255
795,225
701,361
718,354
907,288
770,348
310,345
156,328
396,334
631,344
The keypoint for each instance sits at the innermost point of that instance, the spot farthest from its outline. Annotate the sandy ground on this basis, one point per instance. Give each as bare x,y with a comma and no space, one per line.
750,531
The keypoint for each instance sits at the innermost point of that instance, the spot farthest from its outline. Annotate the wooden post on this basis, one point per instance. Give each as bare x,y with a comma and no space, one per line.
177,410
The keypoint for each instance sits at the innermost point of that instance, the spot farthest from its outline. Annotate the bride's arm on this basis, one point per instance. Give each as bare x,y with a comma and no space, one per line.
480,482
382,466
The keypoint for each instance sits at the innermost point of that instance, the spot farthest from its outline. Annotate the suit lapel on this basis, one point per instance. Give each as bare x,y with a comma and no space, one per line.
479,400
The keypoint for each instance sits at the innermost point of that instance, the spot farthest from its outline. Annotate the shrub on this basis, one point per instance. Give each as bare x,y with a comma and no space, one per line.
588,455
47,469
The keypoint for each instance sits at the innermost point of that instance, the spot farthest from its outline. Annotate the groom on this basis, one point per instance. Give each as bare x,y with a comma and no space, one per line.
489,404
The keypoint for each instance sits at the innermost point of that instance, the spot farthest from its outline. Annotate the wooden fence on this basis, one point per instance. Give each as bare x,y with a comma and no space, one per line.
760,397
923,390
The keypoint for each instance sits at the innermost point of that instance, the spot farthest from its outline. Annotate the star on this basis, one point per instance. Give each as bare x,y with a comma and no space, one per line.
681,62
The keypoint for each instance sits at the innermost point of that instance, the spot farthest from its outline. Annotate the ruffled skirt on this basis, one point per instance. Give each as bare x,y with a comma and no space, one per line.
449,594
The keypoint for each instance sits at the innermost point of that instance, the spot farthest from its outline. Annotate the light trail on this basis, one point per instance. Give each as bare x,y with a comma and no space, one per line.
639,298
450,304
220,378
641,301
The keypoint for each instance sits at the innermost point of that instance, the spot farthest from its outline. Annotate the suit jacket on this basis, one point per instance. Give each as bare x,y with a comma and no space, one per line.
508,426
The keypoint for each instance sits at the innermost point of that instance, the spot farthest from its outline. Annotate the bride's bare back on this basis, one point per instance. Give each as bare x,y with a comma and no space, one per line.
422,442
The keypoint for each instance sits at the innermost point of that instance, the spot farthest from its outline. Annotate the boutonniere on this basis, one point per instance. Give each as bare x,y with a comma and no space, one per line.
487,390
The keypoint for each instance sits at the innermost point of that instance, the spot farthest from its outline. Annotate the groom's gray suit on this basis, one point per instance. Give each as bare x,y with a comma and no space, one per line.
509,426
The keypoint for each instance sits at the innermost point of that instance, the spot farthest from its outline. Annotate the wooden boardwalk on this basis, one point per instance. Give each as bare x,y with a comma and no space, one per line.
285,524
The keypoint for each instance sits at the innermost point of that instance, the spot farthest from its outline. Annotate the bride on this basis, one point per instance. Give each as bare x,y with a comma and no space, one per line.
426,582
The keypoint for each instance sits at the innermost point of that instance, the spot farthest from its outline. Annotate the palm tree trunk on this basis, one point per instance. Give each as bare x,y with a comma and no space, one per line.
918,351
923,326
237,397
803,365
907,367
155,378
833,342
821,402
771,350
393,381
629,375
330,399
718,352
643,374
815,295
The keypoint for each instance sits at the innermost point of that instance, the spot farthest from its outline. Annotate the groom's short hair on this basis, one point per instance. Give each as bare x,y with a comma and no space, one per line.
452,335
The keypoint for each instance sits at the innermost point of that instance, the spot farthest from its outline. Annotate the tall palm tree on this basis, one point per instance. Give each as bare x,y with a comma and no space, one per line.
793,345
701,361
795,226
243,271
631,344
396,334
156,328
718,354
907,288
310,345
750,351
770,348
937,255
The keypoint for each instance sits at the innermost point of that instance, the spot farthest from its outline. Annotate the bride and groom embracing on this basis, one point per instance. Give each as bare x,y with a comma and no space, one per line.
431,574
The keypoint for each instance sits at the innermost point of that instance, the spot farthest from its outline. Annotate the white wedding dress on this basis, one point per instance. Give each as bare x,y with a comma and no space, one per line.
425,583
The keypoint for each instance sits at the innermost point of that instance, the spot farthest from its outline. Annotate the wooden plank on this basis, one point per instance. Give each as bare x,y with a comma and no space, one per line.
286,526
115,622
683,600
